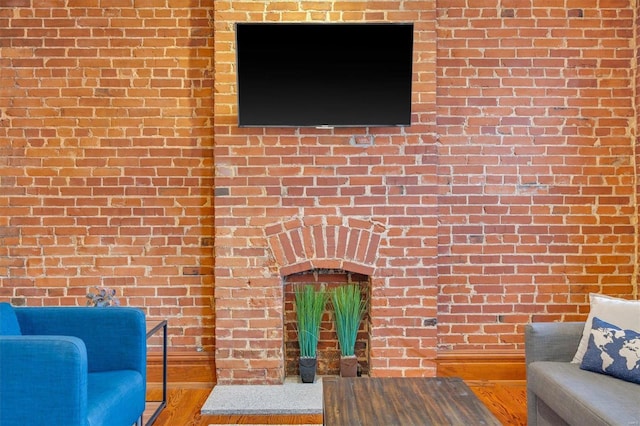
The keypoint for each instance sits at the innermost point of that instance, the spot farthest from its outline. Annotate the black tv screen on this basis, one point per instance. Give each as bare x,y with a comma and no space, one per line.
324,74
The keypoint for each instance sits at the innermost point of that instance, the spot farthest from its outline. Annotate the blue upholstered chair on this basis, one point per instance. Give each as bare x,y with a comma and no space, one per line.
67,366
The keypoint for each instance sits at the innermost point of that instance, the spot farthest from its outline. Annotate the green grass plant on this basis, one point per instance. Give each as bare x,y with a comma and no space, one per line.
348,308
310,306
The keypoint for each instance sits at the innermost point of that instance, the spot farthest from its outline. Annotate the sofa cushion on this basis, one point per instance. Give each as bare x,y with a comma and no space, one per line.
9,325
122,390
613,351
582,397
620,312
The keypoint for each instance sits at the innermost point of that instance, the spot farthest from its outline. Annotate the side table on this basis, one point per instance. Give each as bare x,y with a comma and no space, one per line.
152,328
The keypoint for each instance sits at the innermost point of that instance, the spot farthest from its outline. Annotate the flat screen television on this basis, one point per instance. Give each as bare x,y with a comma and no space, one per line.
324,74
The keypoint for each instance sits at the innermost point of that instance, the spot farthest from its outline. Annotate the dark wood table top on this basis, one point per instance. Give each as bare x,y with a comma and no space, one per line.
402,401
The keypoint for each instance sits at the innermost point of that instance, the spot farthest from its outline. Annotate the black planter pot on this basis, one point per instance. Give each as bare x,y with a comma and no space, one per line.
307,369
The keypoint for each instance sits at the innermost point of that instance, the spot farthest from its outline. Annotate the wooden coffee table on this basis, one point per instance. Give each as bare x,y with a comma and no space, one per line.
402,401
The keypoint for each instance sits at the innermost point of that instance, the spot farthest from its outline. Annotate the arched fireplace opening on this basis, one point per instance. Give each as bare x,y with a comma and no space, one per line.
328,349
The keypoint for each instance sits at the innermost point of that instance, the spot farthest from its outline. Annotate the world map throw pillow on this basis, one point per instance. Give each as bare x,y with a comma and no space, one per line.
621,312
613,351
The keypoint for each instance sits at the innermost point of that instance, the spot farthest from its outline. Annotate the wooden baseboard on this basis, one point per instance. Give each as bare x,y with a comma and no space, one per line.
182,367
198,368
482,365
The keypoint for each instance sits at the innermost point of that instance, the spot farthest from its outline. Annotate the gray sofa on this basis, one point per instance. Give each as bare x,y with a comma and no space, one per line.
560,393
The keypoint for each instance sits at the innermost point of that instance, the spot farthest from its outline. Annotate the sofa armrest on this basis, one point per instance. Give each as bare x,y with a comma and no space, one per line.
115,337
548,341
43,380
552,341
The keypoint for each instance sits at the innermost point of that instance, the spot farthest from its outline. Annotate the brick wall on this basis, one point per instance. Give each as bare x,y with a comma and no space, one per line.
514,204
106,157
537,205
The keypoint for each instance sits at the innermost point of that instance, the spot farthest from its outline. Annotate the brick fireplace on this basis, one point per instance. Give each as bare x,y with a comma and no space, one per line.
320,249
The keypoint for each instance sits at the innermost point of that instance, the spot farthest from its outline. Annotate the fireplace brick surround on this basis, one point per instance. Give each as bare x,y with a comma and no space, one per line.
308,244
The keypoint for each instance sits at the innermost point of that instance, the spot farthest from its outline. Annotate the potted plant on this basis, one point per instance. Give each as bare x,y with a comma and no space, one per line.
310,304
348,308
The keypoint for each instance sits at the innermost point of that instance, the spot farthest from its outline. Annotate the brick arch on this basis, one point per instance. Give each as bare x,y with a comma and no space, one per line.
303,244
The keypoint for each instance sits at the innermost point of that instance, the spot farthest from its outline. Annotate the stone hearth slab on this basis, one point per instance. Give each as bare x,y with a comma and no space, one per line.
292,397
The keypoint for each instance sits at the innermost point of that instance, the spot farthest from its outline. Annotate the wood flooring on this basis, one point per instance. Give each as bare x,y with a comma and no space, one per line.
505,399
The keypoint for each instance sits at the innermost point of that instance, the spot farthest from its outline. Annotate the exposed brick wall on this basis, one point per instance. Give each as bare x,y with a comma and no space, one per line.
537,207
106,153
514,204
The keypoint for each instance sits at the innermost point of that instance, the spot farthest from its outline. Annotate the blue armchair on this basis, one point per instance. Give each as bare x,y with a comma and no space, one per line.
71,366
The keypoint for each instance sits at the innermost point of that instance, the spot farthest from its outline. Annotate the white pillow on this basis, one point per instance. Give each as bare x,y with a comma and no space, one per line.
620,312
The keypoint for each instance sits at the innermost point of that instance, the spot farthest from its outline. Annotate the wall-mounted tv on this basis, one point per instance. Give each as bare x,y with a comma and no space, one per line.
324,74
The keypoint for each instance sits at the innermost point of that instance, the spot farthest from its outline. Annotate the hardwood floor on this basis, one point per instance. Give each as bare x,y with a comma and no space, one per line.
506,399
